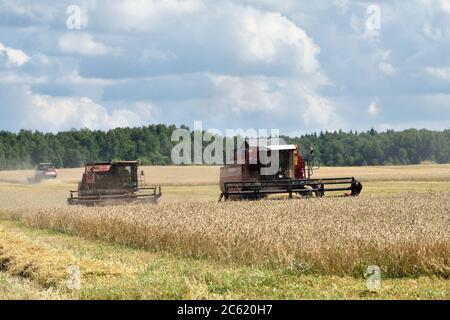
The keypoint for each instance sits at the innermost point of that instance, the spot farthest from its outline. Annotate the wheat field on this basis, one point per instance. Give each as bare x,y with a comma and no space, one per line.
408,235
401,222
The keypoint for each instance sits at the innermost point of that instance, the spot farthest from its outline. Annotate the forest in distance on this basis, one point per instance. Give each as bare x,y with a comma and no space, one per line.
152,145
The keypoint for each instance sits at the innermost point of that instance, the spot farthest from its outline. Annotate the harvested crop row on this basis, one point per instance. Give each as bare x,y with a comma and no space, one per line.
43,267
406,235
23,259
16,288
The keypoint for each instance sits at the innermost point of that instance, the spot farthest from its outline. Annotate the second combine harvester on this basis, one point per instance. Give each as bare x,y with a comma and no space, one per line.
242,180
111,183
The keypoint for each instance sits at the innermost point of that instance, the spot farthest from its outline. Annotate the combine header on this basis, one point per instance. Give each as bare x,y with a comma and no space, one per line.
113,183
244,181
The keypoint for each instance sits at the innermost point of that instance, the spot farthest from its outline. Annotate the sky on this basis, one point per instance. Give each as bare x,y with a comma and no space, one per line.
296,66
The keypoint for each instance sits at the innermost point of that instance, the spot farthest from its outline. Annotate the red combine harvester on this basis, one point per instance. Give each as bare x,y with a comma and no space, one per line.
243,180
44,171
113,183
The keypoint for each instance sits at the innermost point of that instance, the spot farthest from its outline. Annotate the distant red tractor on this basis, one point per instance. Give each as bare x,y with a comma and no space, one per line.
243,180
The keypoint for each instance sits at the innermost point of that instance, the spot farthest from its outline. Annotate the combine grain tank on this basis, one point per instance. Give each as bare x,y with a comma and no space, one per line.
113,183
243,180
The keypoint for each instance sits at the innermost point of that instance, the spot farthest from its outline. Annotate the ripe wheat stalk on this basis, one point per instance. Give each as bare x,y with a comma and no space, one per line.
406,235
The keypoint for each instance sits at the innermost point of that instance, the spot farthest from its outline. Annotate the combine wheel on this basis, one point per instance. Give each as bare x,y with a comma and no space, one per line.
356,188
233,196
306,194
319,193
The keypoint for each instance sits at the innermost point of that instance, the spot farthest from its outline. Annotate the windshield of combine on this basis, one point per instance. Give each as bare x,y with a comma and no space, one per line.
126,176
119,177
46,166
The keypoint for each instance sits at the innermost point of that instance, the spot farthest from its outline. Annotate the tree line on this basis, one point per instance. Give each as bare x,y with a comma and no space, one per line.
377,148
152,145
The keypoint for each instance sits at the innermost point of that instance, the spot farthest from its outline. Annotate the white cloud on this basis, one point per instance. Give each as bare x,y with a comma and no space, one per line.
63,113
246,94
10,78
320,113
342,4
30,11
148,16
81,43
290,103
15,56
267,36
445,5
146,110
374,108
387,68
384,65
367,26
439,73
434,34
74,78
251,62
246,52
226,32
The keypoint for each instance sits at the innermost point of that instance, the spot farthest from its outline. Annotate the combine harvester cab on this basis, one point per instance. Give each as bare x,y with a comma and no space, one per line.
107,183
243,180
